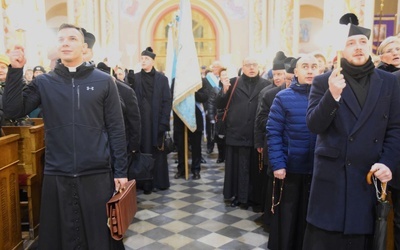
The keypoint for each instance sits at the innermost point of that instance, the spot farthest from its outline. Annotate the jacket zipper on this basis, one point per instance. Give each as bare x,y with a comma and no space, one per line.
79,98
73,122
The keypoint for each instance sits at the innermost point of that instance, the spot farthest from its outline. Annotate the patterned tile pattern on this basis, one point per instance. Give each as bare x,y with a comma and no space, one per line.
192,214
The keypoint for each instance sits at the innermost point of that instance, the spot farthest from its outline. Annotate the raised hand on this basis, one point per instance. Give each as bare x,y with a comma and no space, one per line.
17,57
336,83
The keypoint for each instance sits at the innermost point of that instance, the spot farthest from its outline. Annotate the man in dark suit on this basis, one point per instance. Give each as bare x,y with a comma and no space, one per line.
154,99
354,111
242,181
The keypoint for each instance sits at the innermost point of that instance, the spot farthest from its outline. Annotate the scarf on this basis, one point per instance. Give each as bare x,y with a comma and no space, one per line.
358,78
148,84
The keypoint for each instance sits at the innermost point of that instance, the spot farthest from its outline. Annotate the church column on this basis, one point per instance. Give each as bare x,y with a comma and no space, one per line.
35,23
82,13
257,26
2,27
284,31
109,16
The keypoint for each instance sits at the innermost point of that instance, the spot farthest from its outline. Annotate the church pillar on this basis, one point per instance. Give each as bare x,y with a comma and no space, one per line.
109,16
257,26
283,27
22,19
83,13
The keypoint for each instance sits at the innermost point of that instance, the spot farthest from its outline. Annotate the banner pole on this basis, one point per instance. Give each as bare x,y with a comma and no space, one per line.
185,138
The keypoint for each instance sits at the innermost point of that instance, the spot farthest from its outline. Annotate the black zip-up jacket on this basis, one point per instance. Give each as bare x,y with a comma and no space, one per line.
82,116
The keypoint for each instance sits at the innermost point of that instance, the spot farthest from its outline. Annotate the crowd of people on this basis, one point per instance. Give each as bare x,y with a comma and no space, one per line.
299,139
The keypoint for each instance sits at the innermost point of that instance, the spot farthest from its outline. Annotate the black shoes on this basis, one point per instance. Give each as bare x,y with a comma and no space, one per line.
196,176
179,175
219,160
209,151
235,203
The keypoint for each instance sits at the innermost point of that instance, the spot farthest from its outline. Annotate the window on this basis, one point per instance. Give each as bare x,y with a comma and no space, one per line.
204,36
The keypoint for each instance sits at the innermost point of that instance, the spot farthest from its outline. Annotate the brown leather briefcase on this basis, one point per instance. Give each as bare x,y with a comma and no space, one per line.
121,210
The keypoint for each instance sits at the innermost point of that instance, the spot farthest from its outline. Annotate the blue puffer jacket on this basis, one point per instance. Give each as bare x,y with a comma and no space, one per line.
290,143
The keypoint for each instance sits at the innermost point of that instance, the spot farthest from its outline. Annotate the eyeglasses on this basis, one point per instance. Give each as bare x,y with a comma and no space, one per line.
390,51
273,195
248,65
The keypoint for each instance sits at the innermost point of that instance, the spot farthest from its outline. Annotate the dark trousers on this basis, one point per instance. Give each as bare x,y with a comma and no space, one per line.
316,239
195,143
221,147
210,136
396,208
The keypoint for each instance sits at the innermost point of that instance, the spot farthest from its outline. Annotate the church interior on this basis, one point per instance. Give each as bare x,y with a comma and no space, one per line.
191,214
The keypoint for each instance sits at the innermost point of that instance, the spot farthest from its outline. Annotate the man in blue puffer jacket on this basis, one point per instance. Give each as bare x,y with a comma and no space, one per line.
83,121
291,148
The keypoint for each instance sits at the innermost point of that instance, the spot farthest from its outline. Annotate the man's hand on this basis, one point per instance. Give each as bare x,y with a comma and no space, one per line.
336,83
280,173
382,172
120,183
225,84
17,57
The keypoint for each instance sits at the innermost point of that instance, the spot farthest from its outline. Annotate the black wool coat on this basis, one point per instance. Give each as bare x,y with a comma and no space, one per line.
242,110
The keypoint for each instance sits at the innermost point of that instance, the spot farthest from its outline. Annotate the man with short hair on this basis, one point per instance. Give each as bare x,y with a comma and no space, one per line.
354,110
90,40
290,152
211,80
83,120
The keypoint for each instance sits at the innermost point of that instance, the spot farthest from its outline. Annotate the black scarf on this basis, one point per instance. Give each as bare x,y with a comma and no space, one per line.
358,78
387,67
148,84
250,83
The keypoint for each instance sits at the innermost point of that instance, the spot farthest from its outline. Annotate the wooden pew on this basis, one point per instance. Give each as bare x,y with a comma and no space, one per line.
10,218
30,169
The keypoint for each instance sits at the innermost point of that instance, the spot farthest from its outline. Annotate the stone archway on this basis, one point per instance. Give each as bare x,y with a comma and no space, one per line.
217,18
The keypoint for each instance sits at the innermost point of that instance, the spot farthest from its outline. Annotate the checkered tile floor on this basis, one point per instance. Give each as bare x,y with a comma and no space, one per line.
192,215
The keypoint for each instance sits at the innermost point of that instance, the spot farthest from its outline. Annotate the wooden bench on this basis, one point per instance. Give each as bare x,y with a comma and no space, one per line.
10,232
30,169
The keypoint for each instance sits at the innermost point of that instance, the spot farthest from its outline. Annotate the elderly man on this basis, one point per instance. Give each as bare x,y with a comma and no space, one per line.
354,112
241,159
211,80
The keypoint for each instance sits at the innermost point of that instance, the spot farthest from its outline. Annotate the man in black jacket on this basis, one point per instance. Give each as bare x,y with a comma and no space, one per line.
241,160
211,80
83,119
